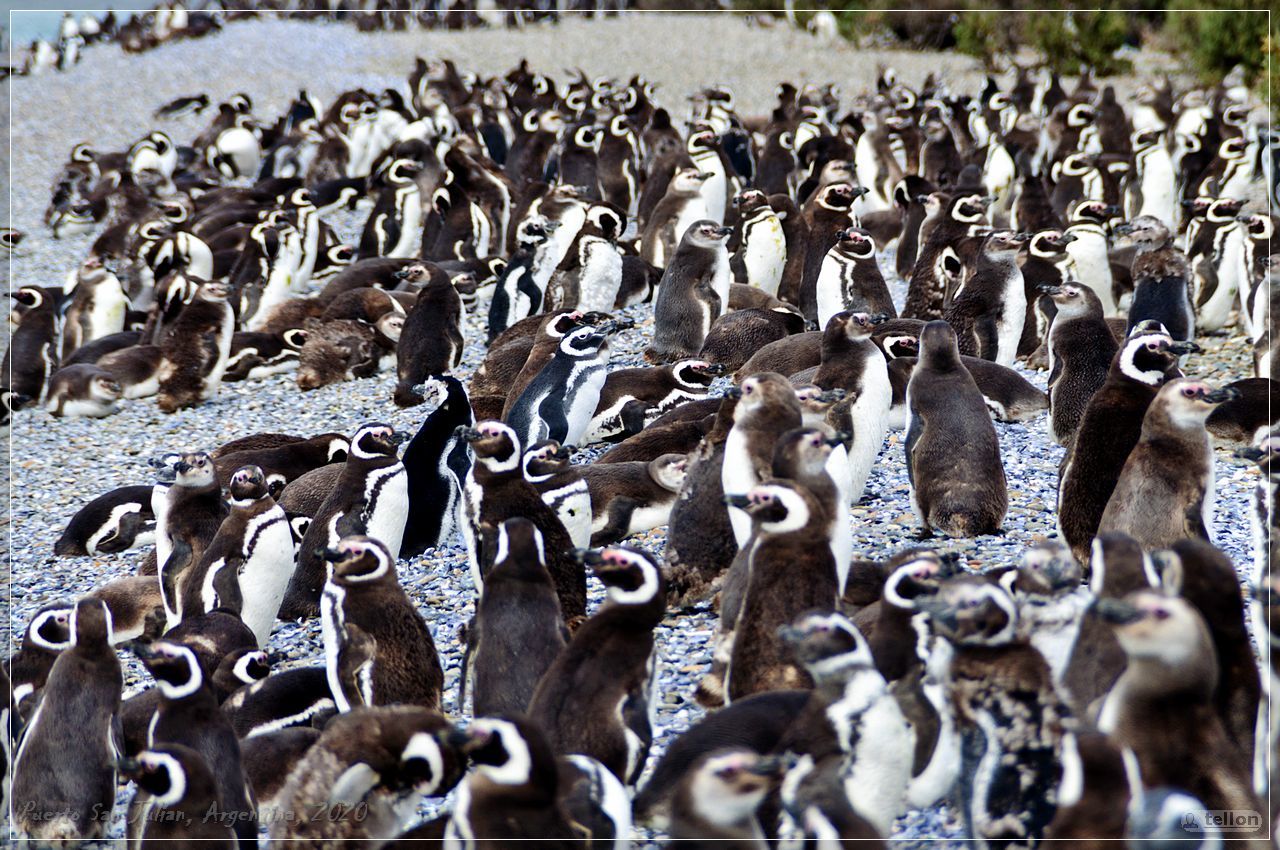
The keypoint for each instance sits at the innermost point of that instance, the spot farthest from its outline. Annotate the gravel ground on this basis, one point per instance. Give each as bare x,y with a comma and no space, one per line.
58,465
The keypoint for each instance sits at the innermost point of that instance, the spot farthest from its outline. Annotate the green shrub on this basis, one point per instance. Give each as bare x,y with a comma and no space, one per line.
986,35
1067,40
1219,39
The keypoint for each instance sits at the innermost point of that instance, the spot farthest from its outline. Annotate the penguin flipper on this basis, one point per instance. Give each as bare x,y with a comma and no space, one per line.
618,524
178,562
988,334
353,521
633,416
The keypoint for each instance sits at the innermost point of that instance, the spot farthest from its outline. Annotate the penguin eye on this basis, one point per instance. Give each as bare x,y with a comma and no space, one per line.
1153,346
1190,392
1160,613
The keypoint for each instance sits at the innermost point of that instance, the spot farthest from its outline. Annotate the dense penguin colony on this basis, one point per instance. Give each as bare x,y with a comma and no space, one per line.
656,355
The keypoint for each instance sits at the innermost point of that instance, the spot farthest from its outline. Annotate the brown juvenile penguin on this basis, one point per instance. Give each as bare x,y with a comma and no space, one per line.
195,349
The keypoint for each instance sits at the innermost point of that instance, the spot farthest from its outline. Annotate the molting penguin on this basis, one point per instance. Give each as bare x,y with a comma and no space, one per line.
953,455
767,408
693,293
715,804
195,349
989,308
1161,278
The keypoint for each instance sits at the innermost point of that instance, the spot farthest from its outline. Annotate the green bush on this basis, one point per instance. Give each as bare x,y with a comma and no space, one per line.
1218,39
986,35
1067,40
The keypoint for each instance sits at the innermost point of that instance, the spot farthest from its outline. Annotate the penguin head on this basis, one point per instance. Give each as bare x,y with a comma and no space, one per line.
1149,355
1003,244
696,374
173,665
815,401
194,469
429,764
856,242
840,195
854,326
1261,227
545,458
972,610
669,471
162,774
727,786
1224,209
376,439
749,201
915,574
416,274
50,628
215,291
827,642
496,446
1073,299
240,668
535,230
520,540
702,138
585,341
630,574
434,392
803,452
687,181
762,392
357,559
503,749
1050,244
1047,569
104,387
969,208
1153,625
248,484
779,507
1146,233
1187,403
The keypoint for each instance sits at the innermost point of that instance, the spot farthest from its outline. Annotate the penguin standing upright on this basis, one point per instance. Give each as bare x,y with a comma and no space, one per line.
1081,347
522,286
558,404
1161,278
517,631
597,697
394,226
680,209
362,590
176,792
850,279
431,340
371,498
1108,431
1165,491
32,355
436,461
953,455
617,164
762,243
188,515
65,764
693,293
195,349
767,408
989,308
828,215
495,491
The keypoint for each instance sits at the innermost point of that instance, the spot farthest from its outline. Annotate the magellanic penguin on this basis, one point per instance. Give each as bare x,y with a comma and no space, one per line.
517,631
1161,708
632,398
767,408
195,349
1161,278
495,491
1081,348
116,521
32,355
1108,431
1165,491
762,243
519,790
431,340
367,774
48,632
989,308
693,293
630,497
850,279
790,571
560,483
953,454
436,462
559,402
371,497
176,792
1051,601
362,590
188,515
597,698
681,207
715,804
66,762
1011,719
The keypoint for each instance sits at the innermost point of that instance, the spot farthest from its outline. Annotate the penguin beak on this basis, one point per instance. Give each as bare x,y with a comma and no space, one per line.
419,389
1116,612
332,555
1252,453
878,318
737,500
940,612
724,231
181,466
398,437
1111,210
840,439
1222,395
773,766
1187,347
565,452
951,564
733,392
1123,229
402,274
1067,238
859,191
458,738
1049,289
587,557
467,433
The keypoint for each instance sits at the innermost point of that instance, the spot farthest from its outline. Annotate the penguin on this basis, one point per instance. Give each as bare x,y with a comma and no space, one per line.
116,521
517,357
1170,651
436,462
1046,587
631,399
47,633
280,463
495,491
767,408
1011,720
83,390
1165,491
716,802
176,792
431,340
247,566
681,208
989,308
560,484
362,590
1081,348
850,279
368,773
631,497
790,571
517,631
188,514
1108,431
1246,419
693,293
762,243
950,427
617,164
63,778
589,277
97,306
1161,278
520,790
852,362
1089,261
32,355
371,498
828,215
394,226
255,355
522,286
736,336
195,349
597,698
957,216
1117,567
